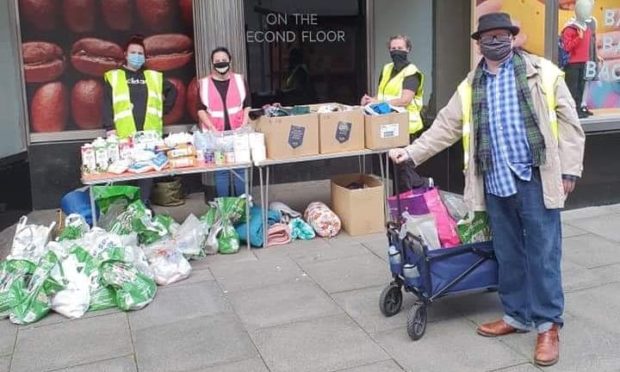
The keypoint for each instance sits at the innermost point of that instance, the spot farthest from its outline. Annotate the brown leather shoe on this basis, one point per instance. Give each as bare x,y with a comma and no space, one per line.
497,328
548,347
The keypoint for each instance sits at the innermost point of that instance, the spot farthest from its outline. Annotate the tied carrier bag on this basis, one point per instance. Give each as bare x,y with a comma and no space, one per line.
430,273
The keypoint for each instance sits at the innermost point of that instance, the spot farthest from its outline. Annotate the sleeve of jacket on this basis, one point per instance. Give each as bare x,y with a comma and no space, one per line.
571,141
571,39
445,131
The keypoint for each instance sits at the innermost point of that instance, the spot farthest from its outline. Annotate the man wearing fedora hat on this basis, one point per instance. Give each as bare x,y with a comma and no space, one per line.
523,152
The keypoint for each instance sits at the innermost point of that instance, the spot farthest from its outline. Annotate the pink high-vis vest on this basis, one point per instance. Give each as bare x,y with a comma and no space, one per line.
215,105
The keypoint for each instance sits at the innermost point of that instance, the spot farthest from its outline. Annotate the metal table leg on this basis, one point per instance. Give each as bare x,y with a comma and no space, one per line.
247,207
266,208
93,208
261,187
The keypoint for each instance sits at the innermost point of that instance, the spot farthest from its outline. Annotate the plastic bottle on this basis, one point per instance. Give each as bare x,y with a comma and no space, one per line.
395,260
229,152
411,273
219,153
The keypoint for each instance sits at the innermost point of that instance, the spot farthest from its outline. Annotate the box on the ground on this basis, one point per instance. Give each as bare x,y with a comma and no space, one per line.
289,137
386,131
361,210
341,131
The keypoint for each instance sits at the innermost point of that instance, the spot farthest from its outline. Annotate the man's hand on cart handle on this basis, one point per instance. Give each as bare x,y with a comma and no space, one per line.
399,155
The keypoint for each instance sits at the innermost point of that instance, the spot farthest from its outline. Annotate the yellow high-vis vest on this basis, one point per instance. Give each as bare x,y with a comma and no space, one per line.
392,89
123,108
550,74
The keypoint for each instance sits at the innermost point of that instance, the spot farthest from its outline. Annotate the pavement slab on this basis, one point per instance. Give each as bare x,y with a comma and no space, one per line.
123,364
605,226
325,344
8,335
67,344
192,344
250,365
385,366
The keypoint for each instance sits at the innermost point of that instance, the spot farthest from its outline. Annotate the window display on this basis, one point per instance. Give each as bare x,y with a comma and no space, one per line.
68,45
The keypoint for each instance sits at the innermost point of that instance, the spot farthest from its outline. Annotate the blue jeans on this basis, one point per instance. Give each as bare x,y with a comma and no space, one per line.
527,238
222,183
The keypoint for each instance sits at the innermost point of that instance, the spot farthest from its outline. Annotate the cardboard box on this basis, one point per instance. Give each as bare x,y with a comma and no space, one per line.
360,210
341,131
386,131
289,137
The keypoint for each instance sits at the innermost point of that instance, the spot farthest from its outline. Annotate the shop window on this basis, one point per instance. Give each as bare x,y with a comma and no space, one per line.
68,45
306,52
593,70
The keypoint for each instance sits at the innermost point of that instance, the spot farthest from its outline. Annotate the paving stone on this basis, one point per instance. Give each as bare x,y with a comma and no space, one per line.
591,250
324,344
476,307
379,247
527,367
385,366
363,306
250,365
244,255
192,344
576,277
346,274
328,252
608,273
295,248
585,213
5,363
451,345
570,231
124,364
283,303
583,347
197,275
67,344
605,226
55,318
179,303
8,333
598,306
255,274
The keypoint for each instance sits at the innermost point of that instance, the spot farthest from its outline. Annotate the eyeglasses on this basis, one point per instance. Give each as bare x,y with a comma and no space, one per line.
491,38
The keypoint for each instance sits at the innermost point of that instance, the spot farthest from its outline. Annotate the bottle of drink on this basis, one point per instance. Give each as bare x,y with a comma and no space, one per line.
395,260
411,274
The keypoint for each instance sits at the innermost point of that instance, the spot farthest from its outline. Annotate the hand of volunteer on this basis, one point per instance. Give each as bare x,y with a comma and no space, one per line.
569,186
367,99
399,155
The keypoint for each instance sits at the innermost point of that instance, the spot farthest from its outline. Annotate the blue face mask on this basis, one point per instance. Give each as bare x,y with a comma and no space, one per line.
135,60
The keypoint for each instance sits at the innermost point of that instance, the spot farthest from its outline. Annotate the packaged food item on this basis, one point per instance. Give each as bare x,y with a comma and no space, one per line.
126,148
119,167
160,161
182,151
188,161
141,167
114,153
89,162
101,154
219,154
229,153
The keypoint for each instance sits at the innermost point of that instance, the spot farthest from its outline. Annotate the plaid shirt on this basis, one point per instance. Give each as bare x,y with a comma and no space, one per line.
510,150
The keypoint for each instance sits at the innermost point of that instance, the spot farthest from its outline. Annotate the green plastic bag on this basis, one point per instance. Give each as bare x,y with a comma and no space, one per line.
474,228
106,195
13,276
33,301
228,239
138,219
133,290
102,298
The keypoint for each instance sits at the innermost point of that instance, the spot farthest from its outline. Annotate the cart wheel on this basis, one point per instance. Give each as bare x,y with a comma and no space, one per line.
416,321
391,300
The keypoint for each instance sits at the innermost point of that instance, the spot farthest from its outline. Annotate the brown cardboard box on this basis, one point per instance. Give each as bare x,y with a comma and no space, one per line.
386,131
289,137
341,131
360,210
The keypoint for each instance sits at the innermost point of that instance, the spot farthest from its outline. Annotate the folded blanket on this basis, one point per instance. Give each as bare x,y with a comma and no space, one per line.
256,225
287,212
301,230
278,234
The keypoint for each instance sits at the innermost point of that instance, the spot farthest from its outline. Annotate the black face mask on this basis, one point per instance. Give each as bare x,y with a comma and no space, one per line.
496,49
399,57
222,67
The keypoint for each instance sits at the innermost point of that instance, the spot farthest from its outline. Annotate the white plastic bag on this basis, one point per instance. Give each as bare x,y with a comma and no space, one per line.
191,237
423,226
166,262
29,241
72,301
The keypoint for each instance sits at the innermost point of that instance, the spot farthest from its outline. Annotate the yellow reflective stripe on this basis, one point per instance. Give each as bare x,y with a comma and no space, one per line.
550,74
120,98
122,115
465,93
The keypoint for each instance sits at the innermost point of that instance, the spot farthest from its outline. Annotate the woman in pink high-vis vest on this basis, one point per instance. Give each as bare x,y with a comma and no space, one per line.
224,105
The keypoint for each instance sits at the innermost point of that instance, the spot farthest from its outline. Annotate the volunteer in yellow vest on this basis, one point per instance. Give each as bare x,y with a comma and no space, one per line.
523,154
401,84
135,98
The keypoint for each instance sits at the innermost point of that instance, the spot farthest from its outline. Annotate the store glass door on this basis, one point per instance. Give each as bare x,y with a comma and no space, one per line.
306,53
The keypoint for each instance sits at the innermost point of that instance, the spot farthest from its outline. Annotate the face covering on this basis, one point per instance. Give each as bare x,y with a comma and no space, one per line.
222,67
496,49
135,60
399,57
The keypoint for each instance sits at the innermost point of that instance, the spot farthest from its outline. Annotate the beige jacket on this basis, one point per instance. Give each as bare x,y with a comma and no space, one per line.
564,156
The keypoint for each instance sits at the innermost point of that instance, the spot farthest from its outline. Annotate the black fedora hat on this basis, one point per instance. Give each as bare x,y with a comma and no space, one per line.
494,21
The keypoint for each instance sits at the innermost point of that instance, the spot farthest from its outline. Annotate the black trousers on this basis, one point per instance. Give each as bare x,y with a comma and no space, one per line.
575,80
